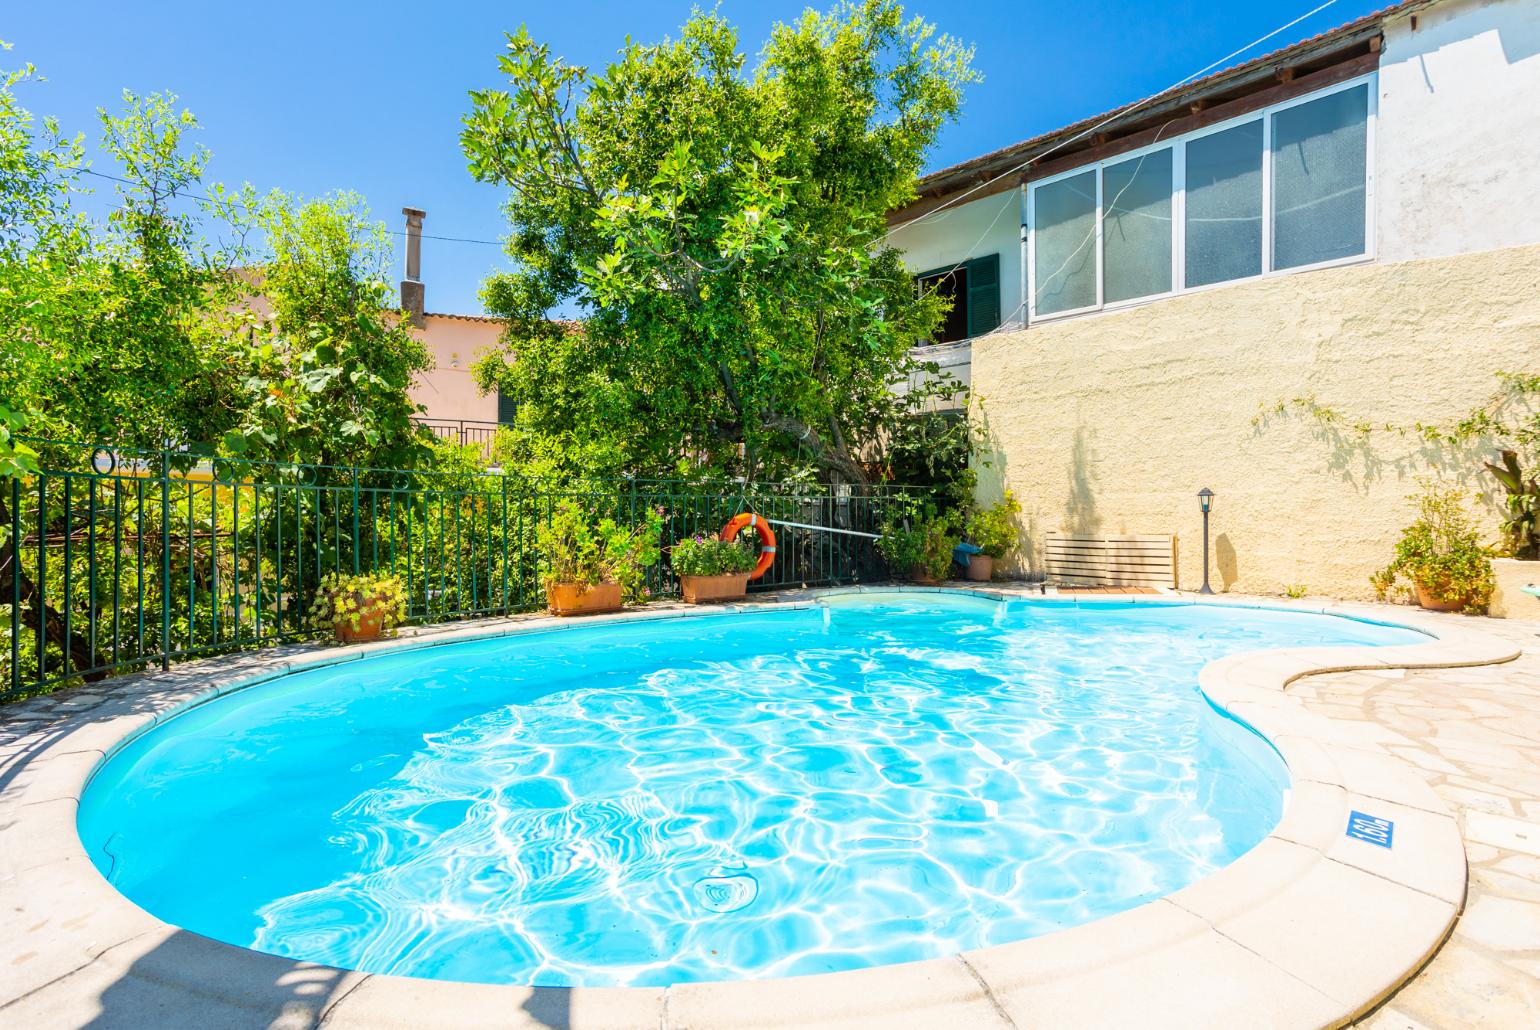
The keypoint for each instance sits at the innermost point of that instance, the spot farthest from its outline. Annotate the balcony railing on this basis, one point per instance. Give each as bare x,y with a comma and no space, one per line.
464,431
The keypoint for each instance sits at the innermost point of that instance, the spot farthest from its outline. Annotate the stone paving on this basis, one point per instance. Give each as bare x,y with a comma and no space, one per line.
1474,735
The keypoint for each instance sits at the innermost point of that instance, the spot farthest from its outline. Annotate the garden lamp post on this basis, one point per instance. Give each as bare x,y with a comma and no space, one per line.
1205,503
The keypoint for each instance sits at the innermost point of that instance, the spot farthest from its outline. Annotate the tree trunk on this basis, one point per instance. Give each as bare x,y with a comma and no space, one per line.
832,458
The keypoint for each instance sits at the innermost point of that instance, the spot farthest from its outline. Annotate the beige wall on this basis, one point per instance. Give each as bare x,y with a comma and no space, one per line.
447,391
1111,423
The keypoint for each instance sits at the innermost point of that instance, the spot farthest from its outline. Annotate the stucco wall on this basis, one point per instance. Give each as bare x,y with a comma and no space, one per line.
1458,140
1112,423
447,390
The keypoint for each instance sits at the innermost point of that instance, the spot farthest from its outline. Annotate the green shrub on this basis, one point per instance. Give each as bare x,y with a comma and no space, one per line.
576,547
991,528
921,541
709,556
1441,553
340,598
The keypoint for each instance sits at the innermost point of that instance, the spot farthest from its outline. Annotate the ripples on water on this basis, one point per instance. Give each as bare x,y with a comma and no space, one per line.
713,798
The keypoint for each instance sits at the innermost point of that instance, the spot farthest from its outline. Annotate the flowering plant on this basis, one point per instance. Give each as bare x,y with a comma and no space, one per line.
578,548
345,600
708,556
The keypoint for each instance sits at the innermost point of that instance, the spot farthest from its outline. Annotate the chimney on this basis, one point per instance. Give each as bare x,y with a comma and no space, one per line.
413,293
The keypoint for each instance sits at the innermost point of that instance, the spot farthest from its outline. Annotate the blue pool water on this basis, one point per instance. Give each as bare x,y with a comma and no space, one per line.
886,778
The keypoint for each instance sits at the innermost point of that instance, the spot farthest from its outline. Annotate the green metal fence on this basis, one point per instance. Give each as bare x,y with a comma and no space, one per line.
112,560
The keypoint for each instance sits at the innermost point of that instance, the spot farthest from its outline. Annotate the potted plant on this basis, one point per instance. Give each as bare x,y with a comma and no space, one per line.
594,565
357,609
710,569
991,531
1441,555
919,545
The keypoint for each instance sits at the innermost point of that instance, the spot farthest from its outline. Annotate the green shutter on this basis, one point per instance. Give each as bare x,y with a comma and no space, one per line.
983,295
507,408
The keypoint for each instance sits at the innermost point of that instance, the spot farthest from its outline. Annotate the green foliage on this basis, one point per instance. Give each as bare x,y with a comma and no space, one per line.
140,330
711,556
1522,525
577,547
1297,590
918,540
114,331
341,599
329,368
992,528
16,458
1441,552
723,232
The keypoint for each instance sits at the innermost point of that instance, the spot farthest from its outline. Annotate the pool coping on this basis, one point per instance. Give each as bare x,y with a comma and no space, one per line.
1310,928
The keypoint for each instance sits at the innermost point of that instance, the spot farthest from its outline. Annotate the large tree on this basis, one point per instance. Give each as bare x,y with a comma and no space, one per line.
722,233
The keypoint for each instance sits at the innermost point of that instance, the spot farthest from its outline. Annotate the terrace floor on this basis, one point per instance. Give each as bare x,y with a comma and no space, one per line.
1473,734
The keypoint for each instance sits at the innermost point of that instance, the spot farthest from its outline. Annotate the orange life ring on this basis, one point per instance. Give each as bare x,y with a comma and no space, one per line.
766,539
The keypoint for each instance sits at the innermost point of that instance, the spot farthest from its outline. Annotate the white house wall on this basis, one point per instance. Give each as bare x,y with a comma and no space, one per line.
1457,161
975,228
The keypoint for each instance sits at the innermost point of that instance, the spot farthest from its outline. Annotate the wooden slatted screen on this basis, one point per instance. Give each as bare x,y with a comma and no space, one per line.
1147,560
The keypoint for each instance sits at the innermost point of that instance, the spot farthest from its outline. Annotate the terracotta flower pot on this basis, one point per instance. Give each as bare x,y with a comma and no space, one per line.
371,623
920,576
705,589
1426,598
583,598
981,568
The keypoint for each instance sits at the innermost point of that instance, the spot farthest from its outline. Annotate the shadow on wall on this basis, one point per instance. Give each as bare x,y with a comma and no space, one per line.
1362,453
990,485
1225,561
1080,515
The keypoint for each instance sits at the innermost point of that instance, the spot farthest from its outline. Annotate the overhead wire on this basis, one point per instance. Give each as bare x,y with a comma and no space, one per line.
193,195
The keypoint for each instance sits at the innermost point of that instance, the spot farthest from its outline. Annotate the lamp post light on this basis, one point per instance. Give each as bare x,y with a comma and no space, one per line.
1205,503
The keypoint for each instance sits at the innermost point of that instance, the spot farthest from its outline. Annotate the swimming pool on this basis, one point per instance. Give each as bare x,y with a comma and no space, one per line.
876,779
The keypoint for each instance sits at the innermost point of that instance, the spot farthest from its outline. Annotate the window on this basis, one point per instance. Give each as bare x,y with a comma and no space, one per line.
974,289
1224,205
1320,171
507,409
1285,188
952,285
1136,227
1065,244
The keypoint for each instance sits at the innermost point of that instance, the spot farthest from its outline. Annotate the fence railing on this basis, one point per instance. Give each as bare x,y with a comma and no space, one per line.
113,561
464,431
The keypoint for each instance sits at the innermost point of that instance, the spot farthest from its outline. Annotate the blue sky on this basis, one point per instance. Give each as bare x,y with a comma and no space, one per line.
310,97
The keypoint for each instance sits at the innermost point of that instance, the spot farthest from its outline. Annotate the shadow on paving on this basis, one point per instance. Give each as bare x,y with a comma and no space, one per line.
188,982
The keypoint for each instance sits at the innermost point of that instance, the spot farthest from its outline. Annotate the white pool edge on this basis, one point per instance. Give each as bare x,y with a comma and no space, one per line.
1310,928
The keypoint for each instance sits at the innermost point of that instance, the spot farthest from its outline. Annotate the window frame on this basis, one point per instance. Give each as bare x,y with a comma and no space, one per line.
1178,147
